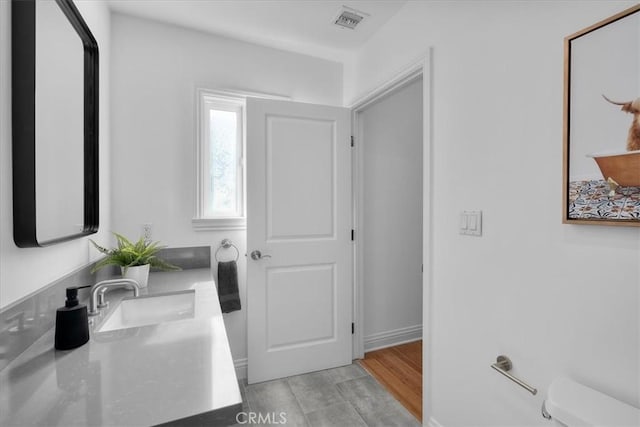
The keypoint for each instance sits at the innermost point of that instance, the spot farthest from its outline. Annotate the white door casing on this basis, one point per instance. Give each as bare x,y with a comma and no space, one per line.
422,66
299,217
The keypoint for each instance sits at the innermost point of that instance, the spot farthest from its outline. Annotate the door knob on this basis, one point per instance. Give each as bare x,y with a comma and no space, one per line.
257,255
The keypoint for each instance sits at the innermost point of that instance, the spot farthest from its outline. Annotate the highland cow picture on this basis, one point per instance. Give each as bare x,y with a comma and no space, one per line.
602,123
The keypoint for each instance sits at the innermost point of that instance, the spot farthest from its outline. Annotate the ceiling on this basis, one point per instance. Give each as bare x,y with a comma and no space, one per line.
303,26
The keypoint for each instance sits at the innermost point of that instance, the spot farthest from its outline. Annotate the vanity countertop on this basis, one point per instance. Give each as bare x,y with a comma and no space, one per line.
138,376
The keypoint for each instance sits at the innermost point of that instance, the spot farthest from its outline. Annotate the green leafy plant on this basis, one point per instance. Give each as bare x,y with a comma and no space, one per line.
129,254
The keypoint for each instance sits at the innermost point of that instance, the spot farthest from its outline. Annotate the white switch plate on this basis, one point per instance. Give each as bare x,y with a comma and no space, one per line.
471,223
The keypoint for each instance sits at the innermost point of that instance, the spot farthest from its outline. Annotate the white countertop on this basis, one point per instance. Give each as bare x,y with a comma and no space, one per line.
139,376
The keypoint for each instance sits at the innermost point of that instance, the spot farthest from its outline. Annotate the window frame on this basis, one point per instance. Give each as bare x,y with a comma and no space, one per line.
208,100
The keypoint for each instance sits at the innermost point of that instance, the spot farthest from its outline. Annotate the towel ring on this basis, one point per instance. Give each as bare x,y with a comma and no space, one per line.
226,244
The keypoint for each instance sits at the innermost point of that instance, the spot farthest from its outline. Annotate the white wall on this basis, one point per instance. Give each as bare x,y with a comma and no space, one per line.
558,299
391,143
24,271
156,69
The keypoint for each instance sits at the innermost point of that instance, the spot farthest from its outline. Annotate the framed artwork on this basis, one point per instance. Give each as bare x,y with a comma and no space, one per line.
601,165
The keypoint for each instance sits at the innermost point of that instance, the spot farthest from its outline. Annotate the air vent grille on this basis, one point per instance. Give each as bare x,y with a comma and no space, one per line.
349,18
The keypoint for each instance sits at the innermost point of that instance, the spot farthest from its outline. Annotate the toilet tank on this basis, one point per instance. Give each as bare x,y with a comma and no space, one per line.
574,404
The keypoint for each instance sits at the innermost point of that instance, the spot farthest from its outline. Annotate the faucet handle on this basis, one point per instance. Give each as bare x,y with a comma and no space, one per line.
102,303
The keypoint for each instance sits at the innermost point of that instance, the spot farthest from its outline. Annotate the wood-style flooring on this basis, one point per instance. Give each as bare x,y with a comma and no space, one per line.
399,370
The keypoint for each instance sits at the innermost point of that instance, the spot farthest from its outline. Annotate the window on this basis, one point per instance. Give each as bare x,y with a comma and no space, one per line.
220,162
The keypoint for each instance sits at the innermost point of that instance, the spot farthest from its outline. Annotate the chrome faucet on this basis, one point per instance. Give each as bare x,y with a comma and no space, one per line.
96,300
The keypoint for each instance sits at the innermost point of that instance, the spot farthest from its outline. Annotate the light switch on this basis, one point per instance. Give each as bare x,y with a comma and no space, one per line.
463,221
471,223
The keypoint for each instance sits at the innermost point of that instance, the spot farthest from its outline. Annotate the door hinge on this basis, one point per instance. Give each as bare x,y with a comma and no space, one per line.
353,328
353,141
353,235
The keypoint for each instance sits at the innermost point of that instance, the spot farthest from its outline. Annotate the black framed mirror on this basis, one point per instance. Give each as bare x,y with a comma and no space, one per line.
55,123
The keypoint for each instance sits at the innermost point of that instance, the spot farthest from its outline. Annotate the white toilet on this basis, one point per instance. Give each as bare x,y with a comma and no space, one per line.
572,404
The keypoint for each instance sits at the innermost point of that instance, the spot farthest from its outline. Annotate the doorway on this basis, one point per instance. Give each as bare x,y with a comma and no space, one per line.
389,185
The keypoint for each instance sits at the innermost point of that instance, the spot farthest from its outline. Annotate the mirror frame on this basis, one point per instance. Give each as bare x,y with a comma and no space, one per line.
567,125
23,70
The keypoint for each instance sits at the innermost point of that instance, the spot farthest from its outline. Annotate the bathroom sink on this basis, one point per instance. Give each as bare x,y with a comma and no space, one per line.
151,310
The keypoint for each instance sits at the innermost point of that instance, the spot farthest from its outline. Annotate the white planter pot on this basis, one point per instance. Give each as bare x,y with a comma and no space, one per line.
138,273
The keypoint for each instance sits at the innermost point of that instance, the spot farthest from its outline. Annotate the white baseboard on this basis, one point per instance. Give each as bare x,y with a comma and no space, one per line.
431,422
241,368
391,338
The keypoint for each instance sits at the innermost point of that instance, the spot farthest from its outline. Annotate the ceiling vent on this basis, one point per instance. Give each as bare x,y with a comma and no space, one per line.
349,18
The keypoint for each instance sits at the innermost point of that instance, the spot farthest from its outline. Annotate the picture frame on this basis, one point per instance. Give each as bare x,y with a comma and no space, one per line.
601,131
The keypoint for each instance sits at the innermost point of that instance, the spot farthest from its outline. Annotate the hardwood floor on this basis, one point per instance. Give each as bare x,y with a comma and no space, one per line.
399,370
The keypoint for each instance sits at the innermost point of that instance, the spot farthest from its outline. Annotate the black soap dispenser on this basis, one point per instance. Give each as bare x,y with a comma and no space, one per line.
72,322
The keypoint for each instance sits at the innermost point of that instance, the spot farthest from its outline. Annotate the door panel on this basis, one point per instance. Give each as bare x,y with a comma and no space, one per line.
299,217
314,289
292,202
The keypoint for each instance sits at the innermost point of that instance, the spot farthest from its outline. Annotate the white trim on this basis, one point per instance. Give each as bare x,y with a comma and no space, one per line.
432,422
218,224
401,79
242,94
421,67
241,368
427,232
390,338
203,102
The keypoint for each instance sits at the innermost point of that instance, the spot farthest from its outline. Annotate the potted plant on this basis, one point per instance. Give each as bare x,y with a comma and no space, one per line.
134,259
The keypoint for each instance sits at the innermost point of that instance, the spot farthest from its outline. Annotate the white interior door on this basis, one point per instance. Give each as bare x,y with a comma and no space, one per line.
299,220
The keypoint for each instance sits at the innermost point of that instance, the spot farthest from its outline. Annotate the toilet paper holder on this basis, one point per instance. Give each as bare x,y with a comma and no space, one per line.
503,365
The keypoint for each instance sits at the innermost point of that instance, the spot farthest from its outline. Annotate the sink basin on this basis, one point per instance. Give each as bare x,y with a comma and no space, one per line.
151,310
